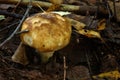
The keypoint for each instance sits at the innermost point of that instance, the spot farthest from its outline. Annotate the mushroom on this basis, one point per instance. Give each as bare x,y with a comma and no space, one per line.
48,32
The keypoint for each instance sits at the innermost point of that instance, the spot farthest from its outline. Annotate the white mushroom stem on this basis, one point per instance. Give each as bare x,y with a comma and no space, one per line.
20,55
46,56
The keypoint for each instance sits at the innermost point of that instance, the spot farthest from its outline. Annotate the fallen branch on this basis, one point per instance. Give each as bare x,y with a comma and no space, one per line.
73,8
64,7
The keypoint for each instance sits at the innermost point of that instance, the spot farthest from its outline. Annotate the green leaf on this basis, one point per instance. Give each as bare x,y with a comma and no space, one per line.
2,17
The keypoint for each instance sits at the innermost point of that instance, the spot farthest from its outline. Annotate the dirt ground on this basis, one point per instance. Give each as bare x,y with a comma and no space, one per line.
84,57
83,60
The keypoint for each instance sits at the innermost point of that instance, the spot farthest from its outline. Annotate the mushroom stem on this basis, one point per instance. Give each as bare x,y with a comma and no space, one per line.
20,55
46,56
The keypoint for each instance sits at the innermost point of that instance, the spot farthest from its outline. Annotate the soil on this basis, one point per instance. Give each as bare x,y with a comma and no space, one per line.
84,57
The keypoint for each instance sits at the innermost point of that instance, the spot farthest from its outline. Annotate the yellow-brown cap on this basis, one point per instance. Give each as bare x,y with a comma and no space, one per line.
48,32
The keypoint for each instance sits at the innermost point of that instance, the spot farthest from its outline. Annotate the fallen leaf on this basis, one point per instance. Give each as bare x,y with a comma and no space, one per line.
89,33
2,17
115,75
101,25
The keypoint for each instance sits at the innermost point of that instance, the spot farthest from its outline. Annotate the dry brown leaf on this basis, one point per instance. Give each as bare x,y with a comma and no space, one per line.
101,25
89,33
115,75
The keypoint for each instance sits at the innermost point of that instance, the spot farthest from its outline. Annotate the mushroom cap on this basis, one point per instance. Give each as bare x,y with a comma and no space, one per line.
48,32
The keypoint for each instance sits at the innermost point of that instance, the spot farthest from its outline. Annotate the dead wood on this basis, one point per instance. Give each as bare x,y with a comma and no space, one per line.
82,9
2,12
65,7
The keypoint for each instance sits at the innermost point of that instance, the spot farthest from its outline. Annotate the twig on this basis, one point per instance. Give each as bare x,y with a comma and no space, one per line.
64,7
17,5
24,31
88,62
2,12
25,15
12,14
8,26
114,5
65,67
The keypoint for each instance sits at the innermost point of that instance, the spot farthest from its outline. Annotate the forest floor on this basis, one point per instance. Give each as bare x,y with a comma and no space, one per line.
83,59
